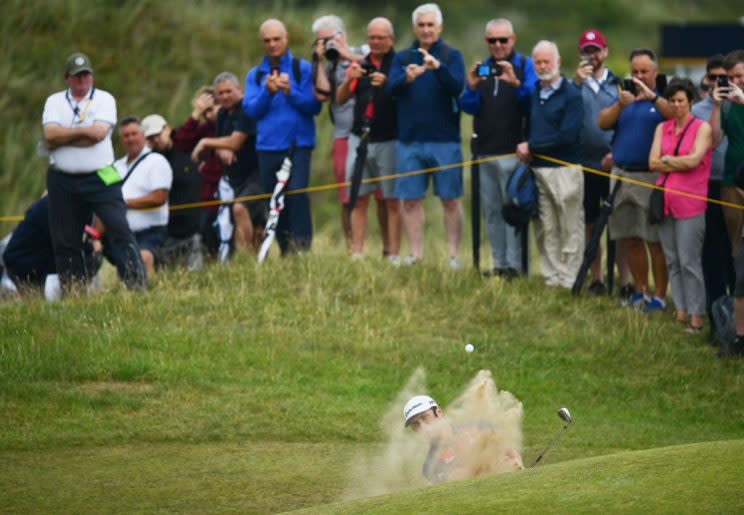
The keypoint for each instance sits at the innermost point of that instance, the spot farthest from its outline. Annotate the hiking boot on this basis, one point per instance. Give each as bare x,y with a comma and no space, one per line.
597,288
654,304
626,291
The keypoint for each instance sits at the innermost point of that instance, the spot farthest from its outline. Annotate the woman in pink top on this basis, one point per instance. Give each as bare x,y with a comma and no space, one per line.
681,152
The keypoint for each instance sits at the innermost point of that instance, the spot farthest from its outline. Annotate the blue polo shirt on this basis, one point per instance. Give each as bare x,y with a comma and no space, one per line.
634,134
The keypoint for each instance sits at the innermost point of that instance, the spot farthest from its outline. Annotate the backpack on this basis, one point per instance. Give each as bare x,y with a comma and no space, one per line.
520,205
723,323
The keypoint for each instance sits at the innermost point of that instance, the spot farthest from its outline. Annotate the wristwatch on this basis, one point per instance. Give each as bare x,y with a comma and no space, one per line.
665,159
653,100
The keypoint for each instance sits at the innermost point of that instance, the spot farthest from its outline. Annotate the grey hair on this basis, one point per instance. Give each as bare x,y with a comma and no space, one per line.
387,22
224,77
128,120
330,21
500,21
427,9
549,44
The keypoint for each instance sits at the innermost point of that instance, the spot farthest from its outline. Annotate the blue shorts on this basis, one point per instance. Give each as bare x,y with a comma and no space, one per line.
152,238
419,156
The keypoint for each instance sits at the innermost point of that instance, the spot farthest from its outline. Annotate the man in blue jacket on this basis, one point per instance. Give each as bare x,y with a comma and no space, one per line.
499,102
427,80
556,118
279,97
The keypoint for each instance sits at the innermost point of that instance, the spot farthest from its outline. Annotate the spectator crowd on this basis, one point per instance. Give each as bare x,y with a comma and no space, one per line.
590,138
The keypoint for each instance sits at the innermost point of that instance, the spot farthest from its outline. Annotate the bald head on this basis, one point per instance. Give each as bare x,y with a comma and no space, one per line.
273,25
381,24
380,37
274,38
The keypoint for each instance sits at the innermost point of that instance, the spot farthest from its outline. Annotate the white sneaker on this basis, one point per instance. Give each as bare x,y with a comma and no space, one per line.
411,260
394,260
454,264
357,256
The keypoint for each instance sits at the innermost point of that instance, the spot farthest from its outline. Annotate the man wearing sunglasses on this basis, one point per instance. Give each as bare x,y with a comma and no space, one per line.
498,99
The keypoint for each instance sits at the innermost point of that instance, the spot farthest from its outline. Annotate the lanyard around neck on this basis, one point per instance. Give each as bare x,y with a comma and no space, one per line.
76,108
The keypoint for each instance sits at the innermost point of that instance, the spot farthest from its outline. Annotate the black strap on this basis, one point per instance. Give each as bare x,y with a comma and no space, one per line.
676,149
137,162
295,72
682,135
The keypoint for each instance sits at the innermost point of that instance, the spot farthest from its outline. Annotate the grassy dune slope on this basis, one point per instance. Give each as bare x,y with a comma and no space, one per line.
254,386
696,478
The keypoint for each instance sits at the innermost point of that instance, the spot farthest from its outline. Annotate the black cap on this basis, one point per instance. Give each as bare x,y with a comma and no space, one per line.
77,63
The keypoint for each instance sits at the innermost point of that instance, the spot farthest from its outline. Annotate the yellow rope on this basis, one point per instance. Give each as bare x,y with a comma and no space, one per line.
324,187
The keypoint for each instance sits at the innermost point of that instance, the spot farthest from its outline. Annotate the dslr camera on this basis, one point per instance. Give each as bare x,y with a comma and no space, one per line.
367,67
330,49
492,70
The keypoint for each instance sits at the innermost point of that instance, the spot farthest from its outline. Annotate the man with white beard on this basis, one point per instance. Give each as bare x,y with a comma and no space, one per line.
556,119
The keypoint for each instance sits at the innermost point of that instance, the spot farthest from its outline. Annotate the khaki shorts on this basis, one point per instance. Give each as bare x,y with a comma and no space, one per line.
629,218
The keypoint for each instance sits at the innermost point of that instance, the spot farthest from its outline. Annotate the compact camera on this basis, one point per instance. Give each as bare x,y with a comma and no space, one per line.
492,70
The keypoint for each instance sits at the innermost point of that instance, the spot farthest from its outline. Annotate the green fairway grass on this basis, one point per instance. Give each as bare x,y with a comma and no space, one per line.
253,388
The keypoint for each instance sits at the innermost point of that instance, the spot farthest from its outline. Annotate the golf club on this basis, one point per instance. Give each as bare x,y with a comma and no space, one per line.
564,415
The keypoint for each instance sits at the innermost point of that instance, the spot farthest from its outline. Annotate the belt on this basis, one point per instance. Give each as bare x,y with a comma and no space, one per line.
69,174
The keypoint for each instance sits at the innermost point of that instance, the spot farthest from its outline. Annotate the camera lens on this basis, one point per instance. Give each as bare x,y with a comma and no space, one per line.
331,52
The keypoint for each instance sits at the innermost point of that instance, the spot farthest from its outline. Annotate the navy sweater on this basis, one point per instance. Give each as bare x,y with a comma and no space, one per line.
555,124
428,108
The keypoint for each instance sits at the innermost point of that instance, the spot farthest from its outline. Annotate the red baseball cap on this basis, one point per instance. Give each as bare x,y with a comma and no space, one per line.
592,37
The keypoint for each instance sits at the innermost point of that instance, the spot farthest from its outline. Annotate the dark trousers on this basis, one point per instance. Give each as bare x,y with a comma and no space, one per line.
718,265
71,199
295,230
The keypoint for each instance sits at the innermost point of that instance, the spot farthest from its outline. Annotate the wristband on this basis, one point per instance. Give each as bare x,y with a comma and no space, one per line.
92,232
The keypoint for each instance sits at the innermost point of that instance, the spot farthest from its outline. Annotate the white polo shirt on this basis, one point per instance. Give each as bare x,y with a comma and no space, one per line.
62,109
152,173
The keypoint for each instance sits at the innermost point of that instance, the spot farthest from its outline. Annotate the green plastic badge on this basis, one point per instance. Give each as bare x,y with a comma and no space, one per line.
108,175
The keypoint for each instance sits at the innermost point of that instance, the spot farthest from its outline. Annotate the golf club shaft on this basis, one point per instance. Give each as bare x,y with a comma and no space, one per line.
555,439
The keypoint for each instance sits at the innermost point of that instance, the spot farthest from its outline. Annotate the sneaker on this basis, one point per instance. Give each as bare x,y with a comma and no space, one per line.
411,260
454,264
393,260
597,288
626,291
654,304
357,256
635,301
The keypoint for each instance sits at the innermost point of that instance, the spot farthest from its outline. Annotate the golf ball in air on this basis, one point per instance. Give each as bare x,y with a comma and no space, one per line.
469,347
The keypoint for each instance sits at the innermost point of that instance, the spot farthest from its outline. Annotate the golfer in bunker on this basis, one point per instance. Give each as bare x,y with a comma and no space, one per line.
458,451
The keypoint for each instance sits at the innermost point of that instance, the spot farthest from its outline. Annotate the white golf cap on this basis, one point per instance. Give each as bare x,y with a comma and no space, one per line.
153,124
416,405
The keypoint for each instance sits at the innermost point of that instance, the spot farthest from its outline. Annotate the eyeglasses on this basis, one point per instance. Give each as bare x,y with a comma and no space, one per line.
714,77
493,41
